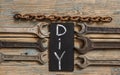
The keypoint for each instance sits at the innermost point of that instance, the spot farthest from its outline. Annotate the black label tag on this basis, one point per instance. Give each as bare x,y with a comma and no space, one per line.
61,53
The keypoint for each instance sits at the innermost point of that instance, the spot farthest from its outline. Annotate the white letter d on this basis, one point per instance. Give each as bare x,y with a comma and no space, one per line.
57,32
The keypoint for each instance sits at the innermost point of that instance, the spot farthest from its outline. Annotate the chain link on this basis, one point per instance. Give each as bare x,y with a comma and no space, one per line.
53,17
75,18
40,17
96,19
106,19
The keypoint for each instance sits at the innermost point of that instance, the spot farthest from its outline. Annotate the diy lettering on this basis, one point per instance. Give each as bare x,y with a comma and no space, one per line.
61,54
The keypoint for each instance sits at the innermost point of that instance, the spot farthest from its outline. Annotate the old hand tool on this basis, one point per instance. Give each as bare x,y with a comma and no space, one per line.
85,29
84,62
89,45
38,45
38,58
37,30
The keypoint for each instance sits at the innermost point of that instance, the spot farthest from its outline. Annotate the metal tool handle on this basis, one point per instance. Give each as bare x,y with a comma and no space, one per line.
38,58
17,30
37,30
106,45
104,62
4,44
94,45
38,45
105,30
20,57
85,29
84,62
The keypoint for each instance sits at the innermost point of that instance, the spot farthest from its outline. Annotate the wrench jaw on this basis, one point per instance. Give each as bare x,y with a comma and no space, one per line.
40,45
83,28
41,60
40,29
86,45
83,63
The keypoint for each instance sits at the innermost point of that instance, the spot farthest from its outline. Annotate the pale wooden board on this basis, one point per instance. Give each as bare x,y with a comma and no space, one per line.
63,7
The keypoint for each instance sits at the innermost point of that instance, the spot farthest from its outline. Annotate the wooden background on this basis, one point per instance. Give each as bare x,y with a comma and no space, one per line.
64,7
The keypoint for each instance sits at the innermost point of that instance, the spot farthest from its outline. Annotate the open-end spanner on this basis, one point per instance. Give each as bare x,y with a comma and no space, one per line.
37,30
38,58
37,45
89,45
84,62
85,29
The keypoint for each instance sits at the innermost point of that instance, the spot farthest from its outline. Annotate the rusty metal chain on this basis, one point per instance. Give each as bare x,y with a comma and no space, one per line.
40,17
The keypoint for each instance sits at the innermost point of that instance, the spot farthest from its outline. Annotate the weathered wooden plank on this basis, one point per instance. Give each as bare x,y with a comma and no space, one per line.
66,7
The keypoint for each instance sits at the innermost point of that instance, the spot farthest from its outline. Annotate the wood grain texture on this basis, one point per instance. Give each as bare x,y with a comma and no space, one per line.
63,7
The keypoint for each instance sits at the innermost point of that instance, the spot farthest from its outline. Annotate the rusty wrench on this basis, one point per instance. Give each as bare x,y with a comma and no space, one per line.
85,61
38,45
37,30
85,29
38,58
89,45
